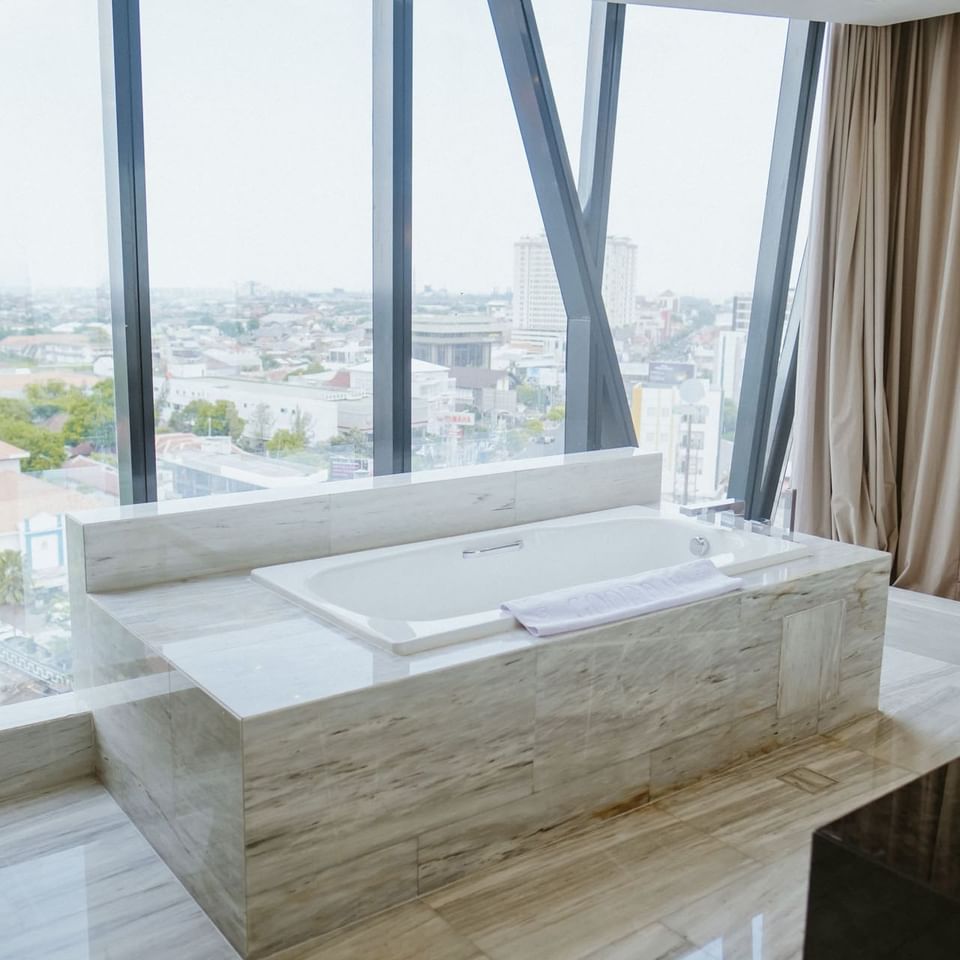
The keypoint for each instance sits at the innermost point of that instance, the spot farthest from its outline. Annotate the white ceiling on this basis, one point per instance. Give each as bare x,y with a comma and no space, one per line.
838,11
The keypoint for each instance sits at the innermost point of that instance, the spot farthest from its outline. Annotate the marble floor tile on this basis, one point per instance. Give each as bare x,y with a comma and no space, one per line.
655,942
758,917
570,901
753,809
78,881
410,932
908,679
918,737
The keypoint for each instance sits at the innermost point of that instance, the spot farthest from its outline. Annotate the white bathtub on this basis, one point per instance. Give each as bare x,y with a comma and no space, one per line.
420,596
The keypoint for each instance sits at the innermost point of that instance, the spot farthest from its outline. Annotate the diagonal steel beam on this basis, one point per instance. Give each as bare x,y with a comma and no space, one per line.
392,233
589,340
600,102
784,398
604,56
798,90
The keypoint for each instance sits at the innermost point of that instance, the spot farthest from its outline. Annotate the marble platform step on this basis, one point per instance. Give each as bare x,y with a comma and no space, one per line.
79,881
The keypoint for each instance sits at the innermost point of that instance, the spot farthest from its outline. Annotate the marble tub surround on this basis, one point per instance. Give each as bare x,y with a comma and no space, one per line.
171,757
297,779
581,898
127,547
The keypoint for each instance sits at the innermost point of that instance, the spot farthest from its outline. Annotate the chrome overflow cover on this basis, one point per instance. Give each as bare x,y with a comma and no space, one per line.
699,546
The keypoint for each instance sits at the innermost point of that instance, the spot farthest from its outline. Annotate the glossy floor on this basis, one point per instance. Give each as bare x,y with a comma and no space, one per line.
714,872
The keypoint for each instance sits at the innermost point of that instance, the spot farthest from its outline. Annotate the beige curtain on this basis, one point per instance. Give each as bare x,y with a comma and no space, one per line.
877,437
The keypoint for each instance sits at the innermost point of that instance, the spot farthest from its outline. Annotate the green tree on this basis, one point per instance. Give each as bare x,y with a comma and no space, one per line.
48,398
14,410
352,441
92,417
556,414
529,395
46,449
261,423
217,419
11,578
285,441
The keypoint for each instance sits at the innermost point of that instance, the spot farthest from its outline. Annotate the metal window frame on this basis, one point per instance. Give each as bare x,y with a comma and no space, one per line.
121,82
784,400
597,412
392,236
574,216
798,90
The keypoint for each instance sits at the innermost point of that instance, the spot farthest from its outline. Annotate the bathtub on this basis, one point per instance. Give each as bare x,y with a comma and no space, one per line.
420,596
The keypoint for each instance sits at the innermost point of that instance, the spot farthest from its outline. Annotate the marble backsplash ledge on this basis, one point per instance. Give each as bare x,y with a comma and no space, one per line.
127,547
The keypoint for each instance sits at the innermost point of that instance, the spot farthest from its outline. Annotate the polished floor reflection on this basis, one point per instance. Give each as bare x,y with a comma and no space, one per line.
714,872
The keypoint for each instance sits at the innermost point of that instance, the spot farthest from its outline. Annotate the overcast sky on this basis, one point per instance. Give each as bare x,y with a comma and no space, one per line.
257,116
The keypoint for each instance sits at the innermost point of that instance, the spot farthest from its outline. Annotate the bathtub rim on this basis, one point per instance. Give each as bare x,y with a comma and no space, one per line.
437,634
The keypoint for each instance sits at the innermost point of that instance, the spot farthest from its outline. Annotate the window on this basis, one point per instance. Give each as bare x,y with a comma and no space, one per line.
489,328
57,419
258,176
698,102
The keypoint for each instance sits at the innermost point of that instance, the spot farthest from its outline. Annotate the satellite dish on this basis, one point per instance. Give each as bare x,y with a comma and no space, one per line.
692,391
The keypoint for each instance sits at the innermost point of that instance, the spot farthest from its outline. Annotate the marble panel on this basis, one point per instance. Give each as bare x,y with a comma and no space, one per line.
602,702
207,611
78,879
864,623
174,545
207,814
576,898
413,511
39,710
299,908
171,757
848,572
682,762
858,697
810,658
409,932
328,782
452,851
587,485
38,756
752,809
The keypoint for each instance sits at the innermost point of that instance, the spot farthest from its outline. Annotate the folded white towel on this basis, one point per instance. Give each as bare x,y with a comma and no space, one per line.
592,604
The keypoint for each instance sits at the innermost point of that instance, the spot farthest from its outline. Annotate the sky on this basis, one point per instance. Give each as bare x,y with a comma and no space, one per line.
257,126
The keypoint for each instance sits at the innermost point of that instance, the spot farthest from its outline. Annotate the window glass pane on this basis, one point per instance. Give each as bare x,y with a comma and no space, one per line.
697,110
57,420
257,125
488,329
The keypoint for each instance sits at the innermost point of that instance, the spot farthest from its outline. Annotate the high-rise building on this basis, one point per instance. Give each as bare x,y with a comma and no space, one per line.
537,304
742,305
620,280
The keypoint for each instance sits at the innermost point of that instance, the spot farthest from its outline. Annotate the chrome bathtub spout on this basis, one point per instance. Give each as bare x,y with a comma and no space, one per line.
708,511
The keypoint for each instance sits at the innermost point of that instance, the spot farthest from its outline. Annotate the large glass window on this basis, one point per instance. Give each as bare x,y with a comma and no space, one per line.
57,421
489,328
698,104
257,124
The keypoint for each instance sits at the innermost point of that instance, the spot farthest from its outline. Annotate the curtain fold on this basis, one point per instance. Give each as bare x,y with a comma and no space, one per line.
877,433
